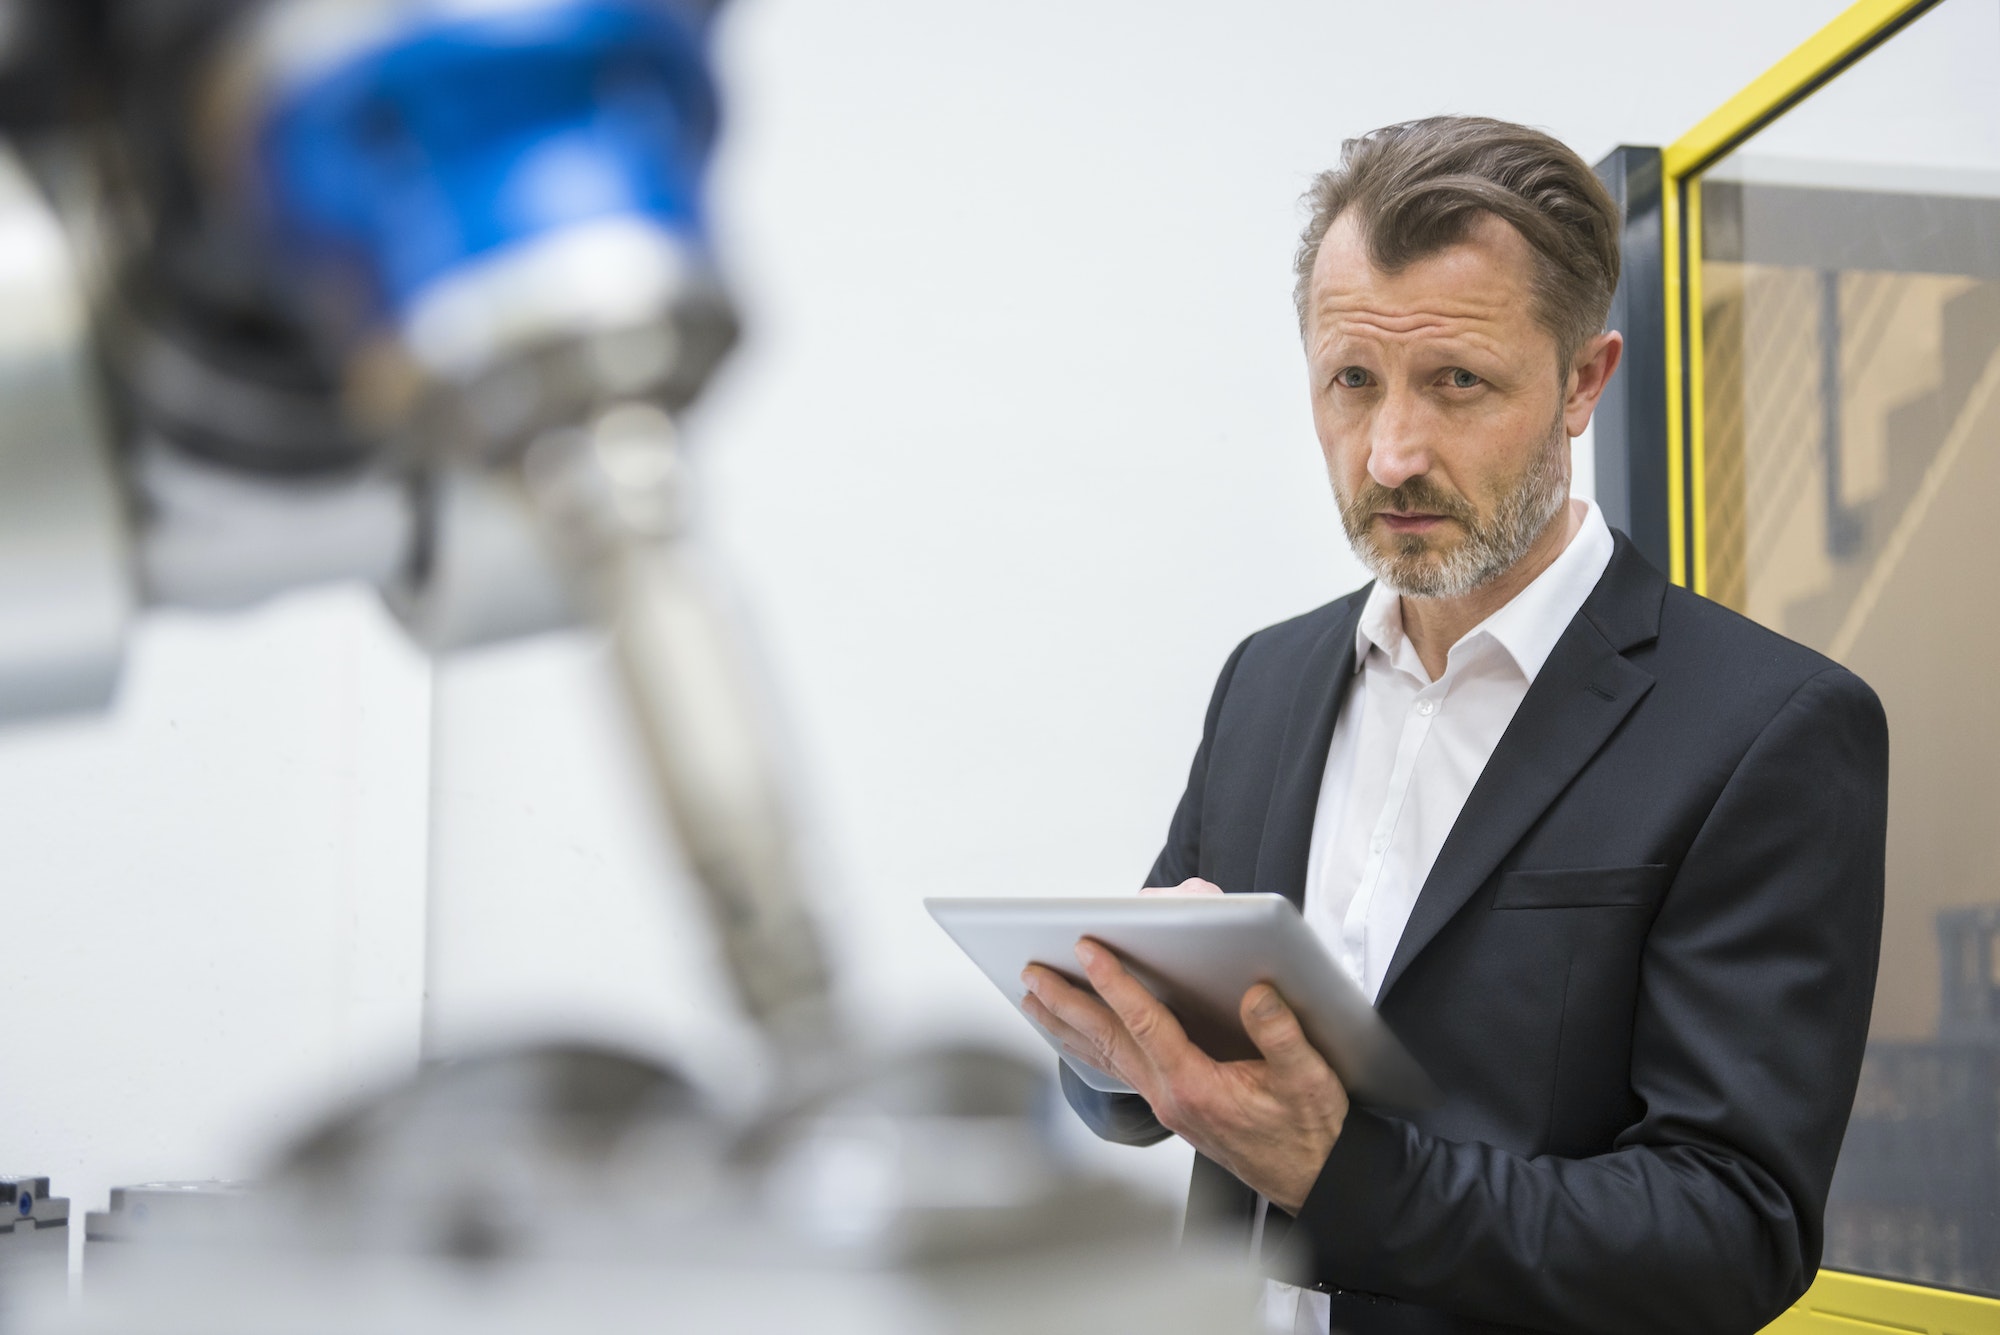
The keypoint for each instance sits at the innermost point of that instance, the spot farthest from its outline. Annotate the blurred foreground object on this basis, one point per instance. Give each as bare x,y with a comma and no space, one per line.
572,1185
412,292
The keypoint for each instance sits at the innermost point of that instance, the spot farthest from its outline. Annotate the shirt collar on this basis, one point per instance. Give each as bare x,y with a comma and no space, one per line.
1527,626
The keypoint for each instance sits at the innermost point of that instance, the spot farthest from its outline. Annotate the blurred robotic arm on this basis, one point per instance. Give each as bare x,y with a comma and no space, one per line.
405,291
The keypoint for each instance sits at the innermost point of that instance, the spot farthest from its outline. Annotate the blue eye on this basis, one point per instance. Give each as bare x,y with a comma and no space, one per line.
1351,377
1463,379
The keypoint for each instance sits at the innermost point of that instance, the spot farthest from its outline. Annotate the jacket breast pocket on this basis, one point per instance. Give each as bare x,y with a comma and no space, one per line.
1582,887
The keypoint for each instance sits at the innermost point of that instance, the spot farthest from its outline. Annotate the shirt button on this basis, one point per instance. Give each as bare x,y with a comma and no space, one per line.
1377,844
1427,707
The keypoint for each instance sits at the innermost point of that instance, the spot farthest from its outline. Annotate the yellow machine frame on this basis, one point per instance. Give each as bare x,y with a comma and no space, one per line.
1837,1302
1858,30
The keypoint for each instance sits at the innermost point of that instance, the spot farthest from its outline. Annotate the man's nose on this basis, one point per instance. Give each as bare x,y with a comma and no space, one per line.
1398,447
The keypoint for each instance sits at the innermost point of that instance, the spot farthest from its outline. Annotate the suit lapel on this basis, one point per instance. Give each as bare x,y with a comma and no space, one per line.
1288,821
1583,692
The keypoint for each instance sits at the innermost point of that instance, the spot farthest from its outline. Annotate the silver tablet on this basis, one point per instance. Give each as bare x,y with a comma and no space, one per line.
1199,954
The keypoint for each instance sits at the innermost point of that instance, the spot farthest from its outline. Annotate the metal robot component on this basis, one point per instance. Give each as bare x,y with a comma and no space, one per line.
176,1211
340,254
612,493
65,591
34,1244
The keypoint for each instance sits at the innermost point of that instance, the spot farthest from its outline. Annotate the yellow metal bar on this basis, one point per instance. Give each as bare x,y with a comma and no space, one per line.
1670,241
1697,415
1818,56
1841,1304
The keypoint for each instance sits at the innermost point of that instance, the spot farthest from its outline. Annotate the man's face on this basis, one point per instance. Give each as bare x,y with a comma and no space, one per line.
1438,406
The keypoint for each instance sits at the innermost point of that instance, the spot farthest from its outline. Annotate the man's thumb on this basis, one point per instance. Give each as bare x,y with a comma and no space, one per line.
1272,1026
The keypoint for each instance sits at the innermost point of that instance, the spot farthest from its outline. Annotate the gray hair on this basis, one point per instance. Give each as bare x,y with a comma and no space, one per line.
1418,187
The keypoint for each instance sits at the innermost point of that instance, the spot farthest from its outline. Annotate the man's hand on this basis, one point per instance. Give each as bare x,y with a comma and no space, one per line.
1270,1122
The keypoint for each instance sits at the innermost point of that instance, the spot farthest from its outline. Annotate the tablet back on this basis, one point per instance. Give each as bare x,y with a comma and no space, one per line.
1199,954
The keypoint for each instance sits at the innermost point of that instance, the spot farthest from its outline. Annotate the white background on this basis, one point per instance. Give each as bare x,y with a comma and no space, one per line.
1015,451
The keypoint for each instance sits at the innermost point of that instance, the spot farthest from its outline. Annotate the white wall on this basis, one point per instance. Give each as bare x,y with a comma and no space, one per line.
211,900
1015,451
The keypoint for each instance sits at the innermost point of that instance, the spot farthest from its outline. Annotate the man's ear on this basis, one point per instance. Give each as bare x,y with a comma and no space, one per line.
1588,376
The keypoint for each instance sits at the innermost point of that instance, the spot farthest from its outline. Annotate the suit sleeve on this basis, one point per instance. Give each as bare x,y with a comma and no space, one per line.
1753,1010
1126,1118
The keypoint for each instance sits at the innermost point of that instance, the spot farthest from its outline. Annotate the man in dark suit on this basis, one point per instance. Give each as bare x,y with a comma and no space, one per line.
1608,855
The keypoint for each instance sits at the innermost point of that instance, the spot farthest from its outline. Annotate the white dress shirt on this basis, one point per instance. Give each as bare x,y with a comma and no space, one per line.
1405,754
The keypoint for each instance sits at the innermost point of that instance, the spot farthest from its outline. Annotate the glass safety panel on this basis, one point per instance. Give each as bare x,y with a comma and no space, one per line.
1848,493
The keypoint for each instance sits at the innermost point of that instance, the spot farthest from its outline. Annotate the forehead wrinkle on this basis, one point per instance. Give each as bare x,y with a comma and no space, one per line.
1477,330
1381,307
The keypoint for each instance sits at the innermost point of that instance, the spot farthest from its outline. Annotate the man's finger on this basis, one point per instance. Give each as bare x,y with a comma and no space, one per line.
1193,885
1090,1020
1059,1029
1076,1006
1275,1030
1152,1026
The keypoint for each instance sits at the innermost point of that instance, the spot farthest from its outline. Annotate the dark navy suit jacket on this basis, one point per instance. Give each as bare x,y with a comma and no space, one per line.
1641,971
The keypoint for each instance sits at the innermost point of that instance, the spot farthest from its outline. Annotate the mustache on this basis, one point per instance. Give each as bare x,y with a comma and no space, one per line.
1418,495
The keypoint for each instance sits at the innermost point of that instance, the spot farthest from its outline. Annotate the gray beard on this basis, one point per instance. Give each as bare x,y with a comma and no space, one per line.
1410,567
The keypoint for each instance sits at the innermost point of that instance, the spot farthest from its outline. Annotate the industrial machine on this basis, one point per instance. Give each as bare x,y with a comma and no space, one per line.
1804,429
412,292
